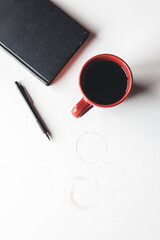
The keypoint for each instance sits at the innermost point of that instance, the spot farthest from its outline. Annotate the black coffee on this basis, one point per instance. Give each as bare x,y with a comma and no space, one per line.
105,82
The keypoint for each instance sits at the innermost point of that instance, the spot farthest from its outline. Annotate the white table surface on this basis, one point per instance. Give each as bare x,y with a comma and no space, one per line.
46,190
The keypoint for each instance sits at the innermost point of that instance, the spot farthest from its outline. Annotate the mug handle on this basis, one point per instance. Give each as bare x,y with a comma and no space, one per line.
81,108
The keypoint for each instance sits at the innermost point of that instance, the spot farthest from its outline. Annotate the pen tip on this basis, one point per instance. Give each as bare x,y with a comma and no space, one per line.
47,134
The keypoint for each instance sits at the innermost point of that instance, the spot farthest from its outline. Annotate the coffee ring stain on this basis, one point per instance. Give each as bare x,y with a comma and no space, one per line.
78,142
76,202
117,171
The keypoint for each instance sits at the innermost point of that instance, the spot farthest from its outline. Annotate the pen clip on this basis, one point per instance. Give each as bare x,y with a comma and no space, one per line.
24,92
27,95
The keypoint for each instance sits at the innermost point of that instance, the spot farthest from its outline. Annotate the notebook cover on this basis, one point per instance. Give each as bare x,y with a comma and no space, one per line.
39,35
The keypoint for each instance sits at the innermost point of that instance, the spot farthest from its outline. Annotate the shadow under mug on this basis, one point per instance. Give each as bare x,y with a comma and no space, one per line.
85,103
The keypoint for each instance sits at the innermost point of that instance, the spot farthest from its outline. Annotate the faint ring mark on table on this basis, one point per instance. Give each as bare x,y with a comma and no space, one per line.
84,193
90,147
111,177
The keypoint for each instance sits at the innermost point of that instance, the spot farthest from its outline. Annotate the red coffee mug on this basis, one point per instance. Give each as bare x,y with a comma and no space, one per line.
85,104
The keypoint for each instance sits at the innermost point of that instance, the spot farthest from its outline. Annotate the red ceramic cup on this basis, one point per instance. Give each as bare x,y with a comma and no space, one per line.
85,104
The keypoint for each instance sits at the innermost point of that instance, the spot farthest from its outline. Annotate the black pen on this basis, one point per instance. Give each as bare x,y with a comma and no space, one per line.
33,110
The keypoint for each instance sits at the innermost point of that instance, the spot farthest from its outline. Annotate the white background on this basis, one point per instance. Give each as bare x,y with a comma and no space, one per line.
37,176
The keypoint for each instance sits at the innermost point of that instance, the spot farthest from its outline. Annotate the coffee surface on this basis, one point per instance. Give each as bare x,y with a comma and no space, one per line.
105,82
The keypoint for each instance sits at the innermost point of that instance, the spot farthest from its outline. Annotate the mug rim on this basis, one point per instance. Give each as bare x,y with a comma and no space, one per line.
120,62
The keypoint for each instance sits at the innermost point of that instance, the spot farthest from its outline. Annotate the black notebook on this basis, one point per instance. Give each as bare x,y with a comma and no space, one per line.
39,35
